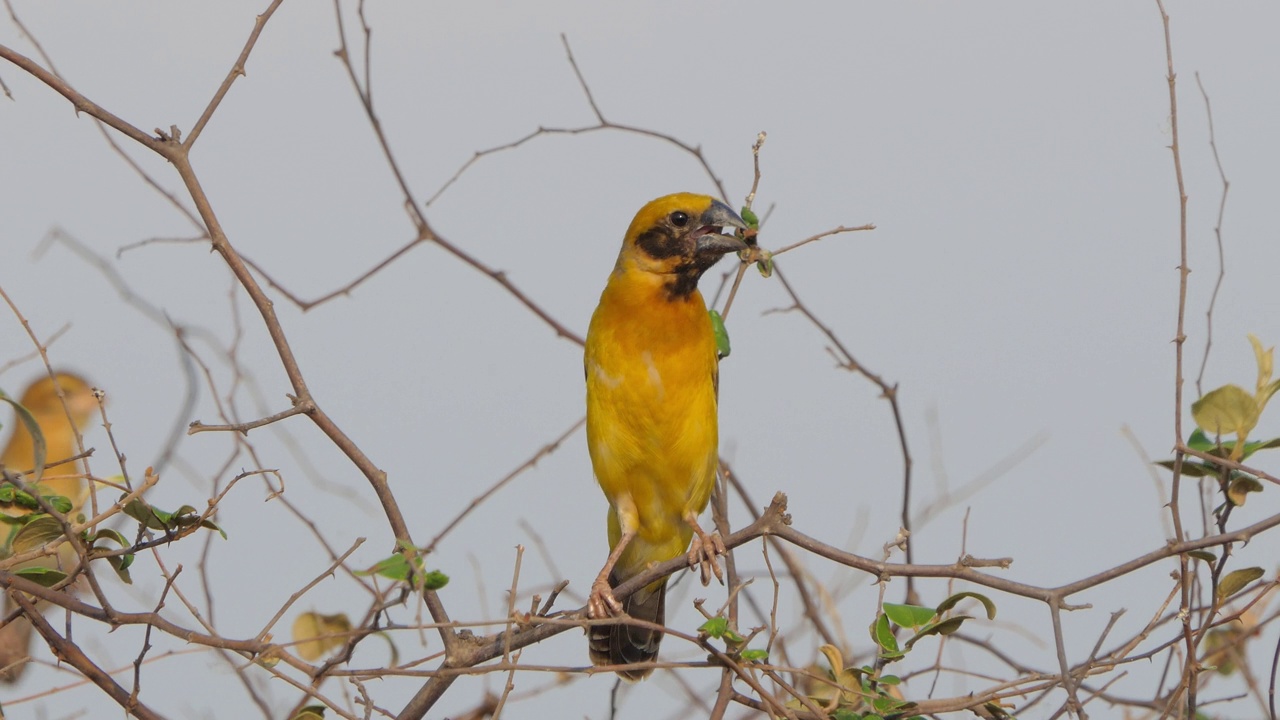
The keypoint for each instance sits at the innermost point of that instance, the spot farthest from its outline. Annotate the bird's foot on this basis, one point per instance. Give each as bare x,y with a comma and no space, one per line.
704,553
601,603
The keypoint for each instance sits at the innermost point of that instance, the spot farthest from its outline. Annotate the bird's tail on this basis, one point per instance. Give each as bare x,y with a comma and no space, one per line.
15,643
622,644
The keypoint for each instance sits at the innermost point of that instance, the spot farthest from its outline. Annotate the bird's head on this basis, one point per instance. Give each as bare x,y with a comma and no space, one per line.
41,398
678,237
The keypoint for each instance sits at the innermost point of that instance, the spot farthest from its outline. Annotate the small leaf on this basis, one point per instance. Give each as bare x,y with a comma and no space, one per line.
1228,409
755,655
48,577
121,563
1253,447
765,264
834,658
749,217
434,580
951,602
61,503
156,519
909,616
1200,442
886,704
1265,361
1236,581
845,714
1265,393
883,637
109,534
1191,469
716,627
395,567
722,335
945,627
44,529
317,634
1204,555
1240,487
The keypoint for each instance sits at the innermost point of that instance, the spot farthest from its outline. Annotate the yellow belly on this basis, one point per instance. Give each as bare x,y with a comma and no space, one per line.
651,418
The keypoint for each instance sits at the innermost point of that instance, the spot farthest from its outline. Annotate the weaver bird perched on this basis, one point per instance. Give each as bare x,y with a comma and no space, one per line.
651,368
62,478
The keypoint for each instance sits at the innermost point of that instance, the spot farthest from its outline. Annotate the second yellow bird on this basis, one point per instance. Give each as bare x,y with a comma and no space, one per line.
651,368
59,478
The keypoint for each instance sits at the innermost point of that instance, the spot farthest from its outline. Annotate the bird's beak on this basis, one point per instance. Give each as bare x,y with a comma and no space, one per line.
711,238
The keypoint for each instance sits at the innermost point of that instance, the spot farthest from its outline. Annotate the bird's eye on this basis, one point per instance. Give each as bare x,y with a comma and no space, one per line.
679,219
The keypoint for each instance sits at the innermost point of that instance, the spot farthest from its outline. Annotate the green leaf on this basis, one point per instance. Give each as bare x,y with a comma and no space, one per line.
951,602
945,627
395,567
44,529
48,577
716,627
434,580
886,704
108,534
1191,468
1253,447
909,616
156,519
749,217
722,335
845,714
755,655
1200,442
1204,555
33,427
883,637
61,503
121,563
1228,409
1236,581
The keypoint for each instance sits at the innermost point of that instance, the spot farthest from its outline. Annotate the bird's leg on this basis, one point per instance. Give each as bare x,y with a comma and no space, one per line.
703,551
601,603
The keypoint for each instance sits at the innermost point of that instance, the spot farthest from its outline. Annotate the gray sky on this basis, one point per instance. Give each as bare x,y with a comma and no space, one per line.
1021,283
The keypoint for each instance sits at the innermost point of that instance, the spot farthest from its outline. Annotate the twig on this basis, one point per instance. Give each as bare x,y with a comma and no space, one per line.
1217,234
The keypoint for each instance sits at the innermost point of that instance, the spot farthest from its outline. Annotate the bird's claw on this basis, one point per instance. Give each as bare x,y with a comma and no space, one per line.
704,553
601,603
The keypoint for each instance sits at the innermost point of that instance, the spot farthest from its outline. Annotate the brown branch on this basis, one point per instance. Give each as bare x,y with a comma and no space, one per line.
299,408
237,70
1217,234
80,102
826,233
71,654
1179,340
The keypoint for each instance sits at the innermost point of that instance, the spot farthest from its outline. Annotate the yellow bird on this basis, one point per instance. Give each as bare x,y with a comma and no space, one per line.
651,367
59,478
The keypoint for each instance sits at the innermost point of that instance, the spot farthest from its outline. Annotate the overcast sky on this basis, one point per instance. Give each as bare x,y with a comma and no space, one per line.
1020,285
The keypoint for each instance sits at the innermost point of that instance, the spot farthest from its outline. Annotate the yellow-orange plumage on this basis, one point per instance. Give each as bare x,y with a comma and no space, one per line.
651,370
58,478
